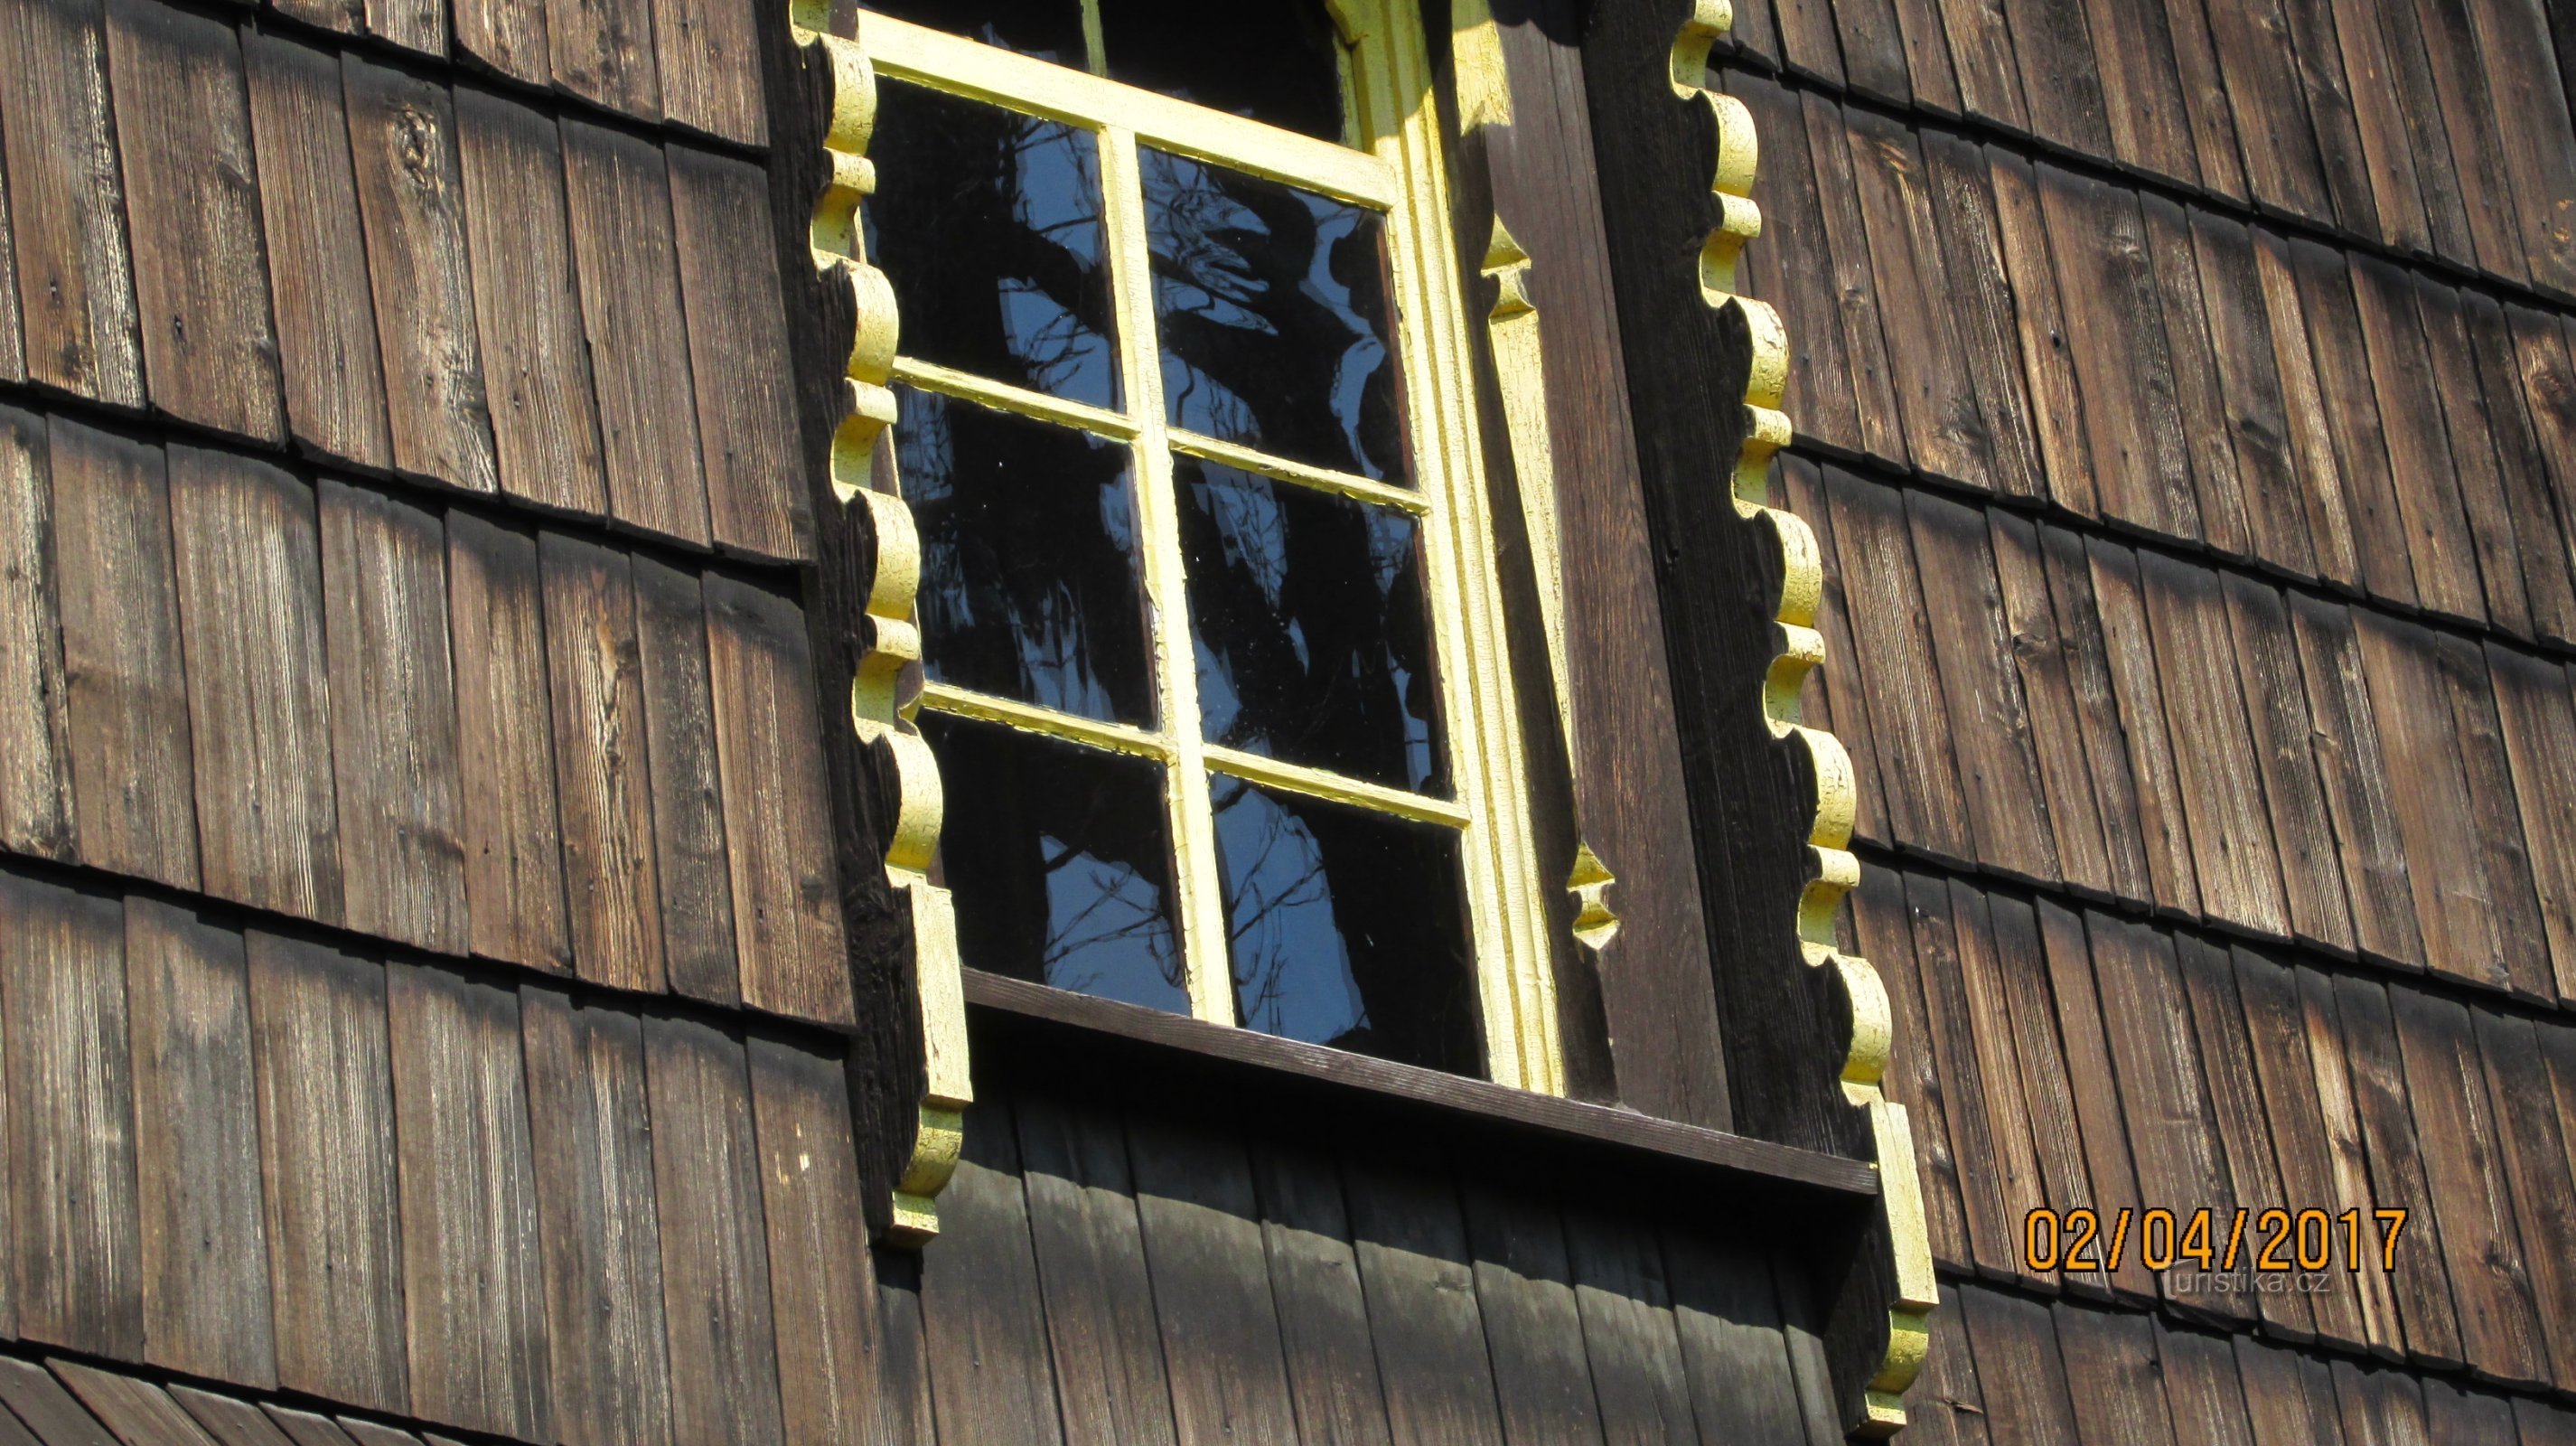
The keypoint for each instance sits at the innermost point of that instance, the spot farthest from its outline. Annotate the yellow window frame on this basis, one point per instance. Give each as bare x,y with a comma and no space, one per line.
1393,166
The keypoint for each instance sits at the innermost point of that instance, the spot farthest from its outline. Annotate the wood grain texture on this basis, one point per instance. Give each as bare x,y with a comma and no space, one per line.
2018,1178
393,717
326,1140
633,315
2504,857
821,1282
2206,436
2309,434
505,746
1205,1250
51,1415
67,203
13,350
507,35
1847,248
74,1219
1534,1333
402,136
2525,494
200,279
2339,1102
590,1126
330,361
2354,774
2048,369
2301,1146
196,1146
979,1300
37,815
1780,269
602,51
1990,722
2116,1380
688,788
1945,1404
2476,467
2046,1083
2283,167
2419,454
1956,175
249,566
1409,1238
527,305
2398,1177
137,1411
2379,123
473,1272
2235,1090
2383,557
1315,1283
2096,702
1111,1385
419,26
229,1422
2284,740
2538,714
715,1255
1993,1229
2248,386
1639,1373
720,208
124,677
2468,115
786,899
2163,806
1883,929
2216,766
1921,799
2430,798
707,56
2536,1163
1934,389
602,770
2019,1370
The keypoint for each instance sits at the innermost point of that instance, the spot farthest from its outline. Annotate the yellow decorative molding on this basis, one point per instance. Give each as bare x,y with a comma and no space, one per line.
879,708
1799,649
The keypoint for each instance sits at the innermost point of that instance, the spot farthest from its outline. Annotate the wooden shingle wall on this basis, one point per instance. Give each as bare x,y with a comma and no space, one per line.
400,486
2185,408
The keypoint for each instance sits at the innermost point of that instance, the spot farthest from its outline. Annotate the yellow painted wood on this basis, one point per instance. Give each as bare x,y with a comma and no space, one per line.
1338,787
1030,718
1322,479
964,67
1003,397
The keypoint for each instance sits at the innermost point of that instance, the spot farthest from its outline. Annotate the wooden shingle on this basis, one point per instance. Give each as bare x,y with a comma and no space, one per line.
36,806
603,778
1990,724
2354,774
67,202
2216,768
505,745
757,499
2397,1172
696,873
2284,740
821,1285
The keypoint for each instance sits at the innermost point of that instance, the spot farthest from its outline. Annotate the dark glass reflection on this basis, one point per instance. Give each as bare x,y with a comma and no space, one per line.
1347,928
1312,633
1059,861
1272,307
1276,62
1029,580
1047,29
988,224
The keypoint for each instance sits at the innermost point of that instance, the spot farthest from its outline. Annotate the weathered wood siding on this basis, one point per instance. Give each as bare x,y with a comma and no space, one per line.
2184,405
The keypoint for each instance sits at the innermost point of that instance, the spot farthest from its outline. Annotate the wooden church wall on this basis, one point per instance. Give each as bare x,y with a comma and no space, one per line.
2185,405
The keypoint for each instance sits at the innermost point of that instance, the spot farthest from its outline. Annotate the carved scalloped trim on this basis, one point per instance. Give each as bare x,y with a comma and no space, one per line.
879,708
1800,648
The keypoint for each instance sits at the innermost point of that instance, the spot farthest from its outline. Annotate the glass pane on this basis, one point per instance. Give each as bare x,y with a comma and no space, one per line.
1047,29
1348,928
1059,860
1311,629
1276,61
1272,307
988,224
1030,586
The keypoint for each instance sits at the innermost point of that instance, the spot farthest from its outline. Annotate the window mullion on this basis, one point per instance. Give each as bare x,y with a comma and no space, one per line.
1195,882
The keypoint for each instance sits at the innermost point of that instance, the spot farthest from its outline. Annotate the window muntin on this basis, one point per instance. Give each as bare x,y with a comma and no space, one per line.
1348,856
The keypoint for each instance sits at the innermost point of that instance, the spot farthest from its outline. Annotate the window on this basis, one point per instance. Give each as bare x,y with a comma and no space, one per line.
1209,620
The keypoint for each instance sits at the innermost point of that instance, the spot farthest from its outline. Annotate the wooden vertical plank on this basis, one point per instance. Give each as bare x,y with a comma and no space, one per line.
2207,438
2236,1103
2059,77
1630,1332
2218,771
507,35
1728,1313
2056,411
756,495
1222,1339
2204,100
1934,392
2543,1423
1945,1403
633,314
2534,704
37,812
821,1286
331,363
2047,1087
591,1131
2463,1161
126,685
1808,45
13,351
2379,123
2039,657
2123,363
2475,466
2277,1399
2536,1163
1991,727
1838,700
1873,48
1781,268
769,739
249,566
513,839
2527,87
2503,856
200,279
602,776
2537,521
326,1148
2163,807
1997,1044
707,55
1099,1299
688,793
2248,388
2095,1086
67,203
73,1213
196,1147
2390,1132
2429,792
1411,1244
2303,1147
527,306
1993,1230
2410,87
1846,235
2142,95
303,1428
2308,434
602,51
2548,383
2357,786
2347,1147
1534,1332
1315,1285
2452,1414
2018,1368
2419,454
2384,561
2086,651
1955,173
2284,738
2283,170
984,1325
1884,930
715,1254
393,718
2117,1380
415,25
1920,792
402,134
2460,83
473,1274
